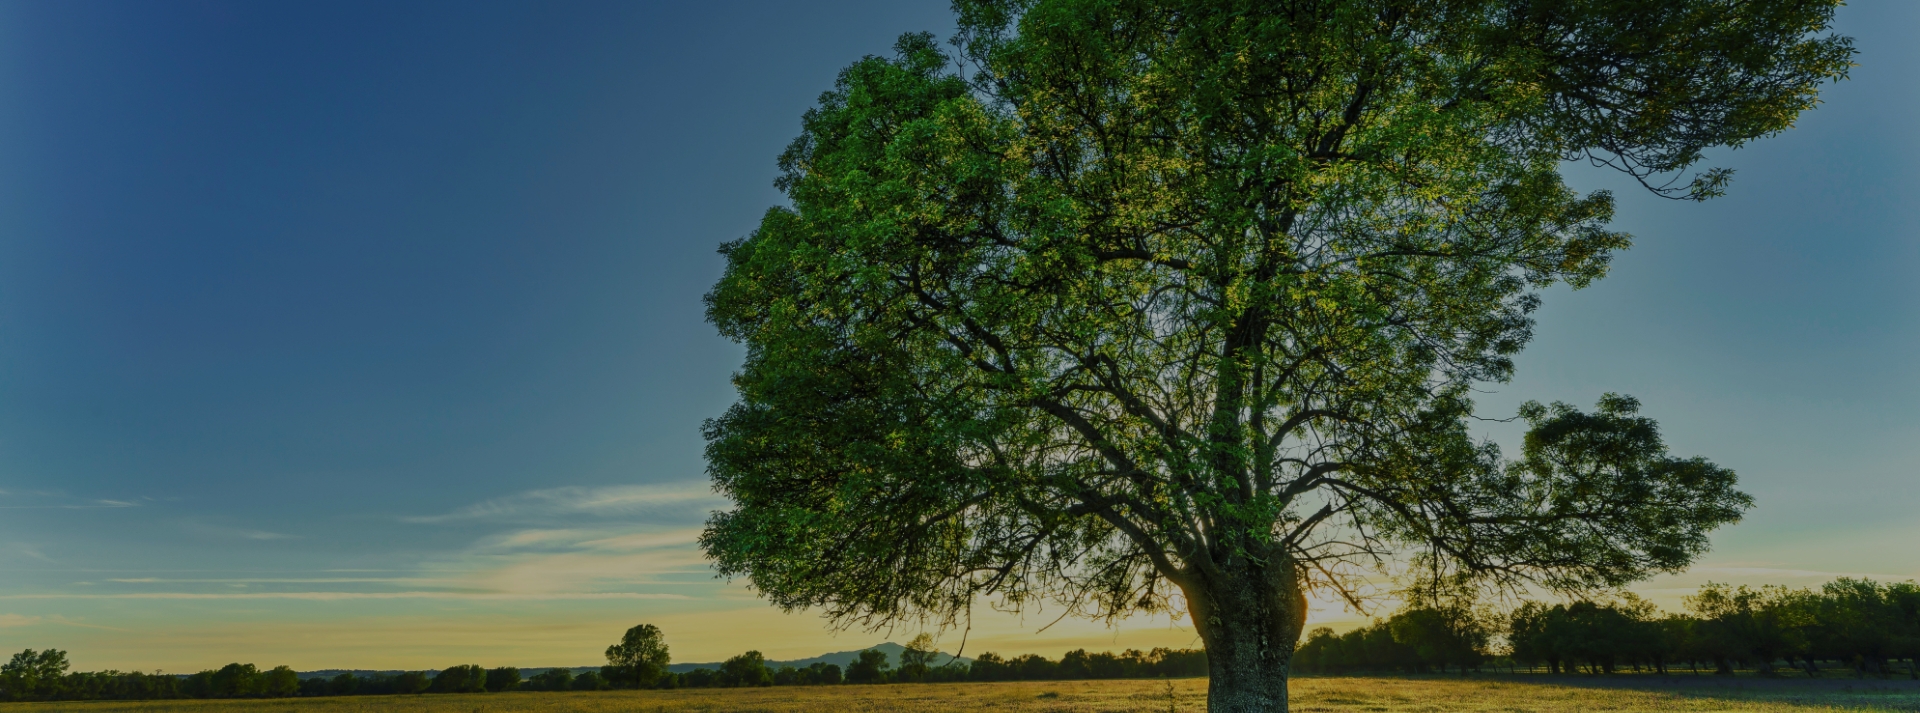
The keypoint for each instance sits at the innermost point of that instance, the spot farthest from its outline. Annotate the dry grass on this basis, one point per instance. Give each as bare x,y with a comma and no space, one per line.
1341,695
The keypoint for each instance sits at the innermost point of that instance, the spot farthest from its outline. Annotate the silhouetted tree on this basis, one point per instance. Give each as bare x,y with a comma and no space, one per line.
1744,624
829,673
870,666
639,659
748,669
916,659
460,679
279,682
33,674
505,678
1441,636
235,680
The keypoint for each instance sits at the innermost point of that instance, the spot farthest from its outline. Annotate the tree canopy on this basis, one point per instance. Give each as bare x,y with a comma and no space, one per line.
1138,305
640,657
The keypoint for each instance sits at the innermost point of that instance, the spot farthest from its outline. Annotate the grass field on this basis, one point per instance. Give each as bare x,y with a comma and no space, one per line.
1435,694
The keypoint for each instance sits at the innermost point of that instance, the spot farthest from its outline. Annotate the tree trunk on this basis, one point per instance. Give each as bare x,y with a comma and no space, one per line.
1250,617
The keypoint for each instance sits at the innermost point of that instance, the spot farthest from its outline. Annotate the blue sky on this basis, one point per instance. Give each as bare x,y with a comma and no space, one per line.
369,334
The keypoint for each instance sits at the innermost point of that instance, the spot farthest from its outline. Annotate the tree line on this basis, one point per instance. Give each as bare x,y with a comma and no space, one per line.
639,660
1850,625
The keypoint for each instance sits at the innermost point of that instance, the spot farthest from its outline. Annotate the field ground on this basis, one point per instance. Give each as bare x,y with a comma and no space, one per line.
1433,694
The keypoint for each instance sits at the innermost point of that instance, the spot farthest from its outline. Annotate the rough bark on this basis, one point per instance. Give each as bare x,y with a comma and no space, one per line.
1249,615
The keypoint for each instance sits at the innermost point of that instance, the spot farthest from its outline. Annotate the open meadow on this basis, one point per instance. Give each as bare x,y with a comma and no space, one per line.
1435,694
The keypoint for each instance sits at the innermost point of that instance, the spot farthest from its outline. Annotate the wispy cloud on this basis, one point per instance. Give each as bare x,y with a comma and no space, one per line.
55,500
577,559
31,551
89,505
268,580
347,596
611,539
574,500
645,541
8,621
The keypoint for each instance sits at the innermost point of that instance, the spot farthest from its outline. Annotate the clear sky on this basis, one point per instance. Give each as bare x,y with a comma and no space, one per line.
369,334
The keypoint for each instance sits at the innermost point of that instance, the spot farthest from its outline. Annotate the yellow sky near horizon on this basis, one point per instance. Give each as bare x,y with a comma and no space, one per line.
183,635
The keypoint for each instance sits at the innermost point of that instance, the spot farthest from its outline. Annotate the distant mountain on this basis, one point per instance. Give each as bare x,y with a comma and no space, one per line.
839,658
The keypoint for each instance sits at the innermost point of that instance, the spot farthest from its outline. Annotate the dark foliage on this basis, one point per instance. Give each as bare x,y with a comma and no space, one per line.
1859,626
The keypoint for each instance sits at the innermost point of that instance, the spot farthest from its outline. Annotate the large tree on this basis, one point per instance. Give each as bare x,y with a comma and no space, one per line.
1178,305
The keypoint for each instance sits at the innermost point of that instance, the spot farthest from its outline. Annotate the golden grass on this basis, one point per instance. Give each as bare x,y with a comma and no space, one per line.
1315,695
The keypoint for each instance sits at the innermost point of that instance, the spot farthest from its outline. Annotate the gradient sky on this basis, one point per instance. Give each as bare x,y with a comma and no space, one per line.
369,334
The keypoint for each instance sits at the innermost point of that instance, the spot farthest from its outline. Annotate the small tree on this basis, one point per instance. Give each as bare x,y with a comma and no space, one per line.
639,659
279,682
869,666
829,673
235,680
917,659
33,673
748,669
505,678
1443,636
460,679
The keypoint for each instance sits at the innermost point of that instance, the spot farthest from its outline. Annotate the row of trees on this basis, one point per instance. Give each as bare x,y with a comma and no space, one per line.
918,665
1850,624
43,675
639,661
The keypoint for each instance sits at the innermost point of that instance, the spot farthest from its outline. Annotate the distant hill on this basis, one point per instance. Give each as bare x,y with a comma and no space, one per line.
840,658
360,672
